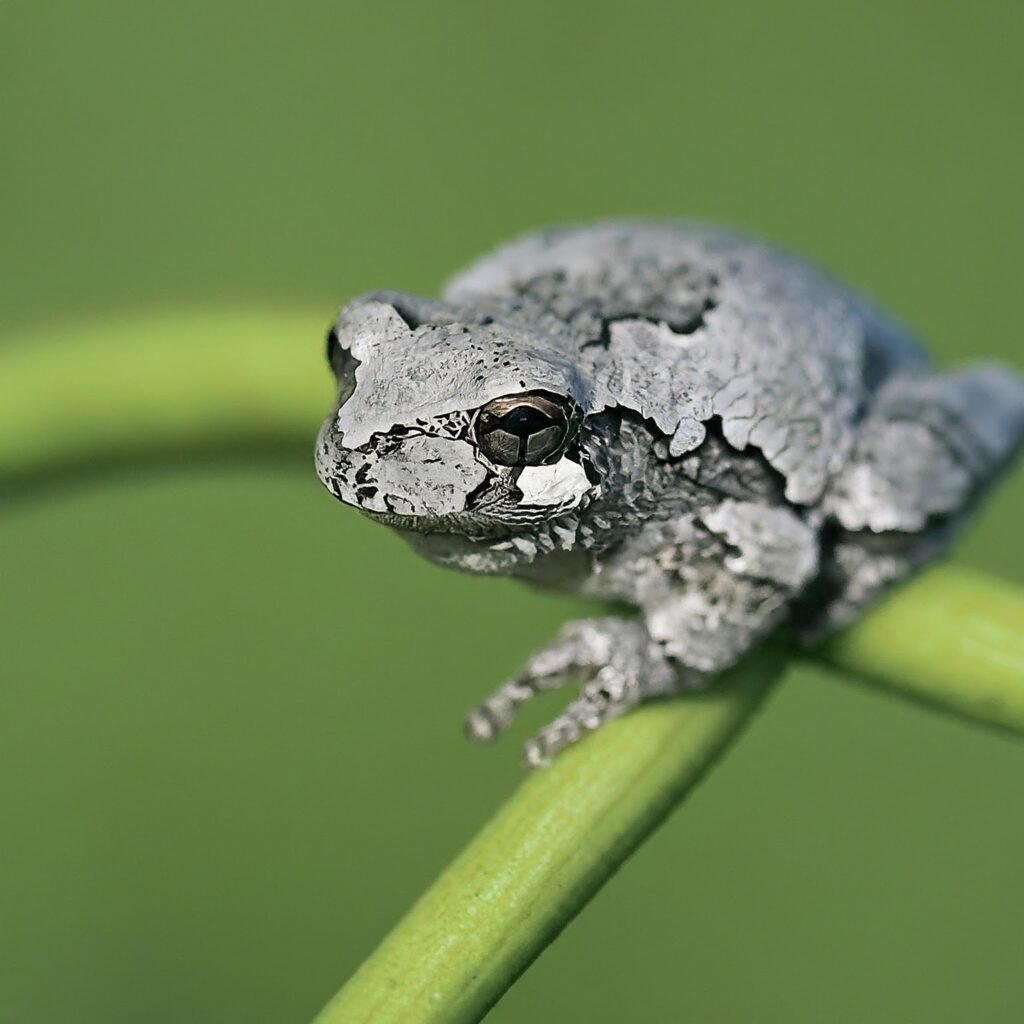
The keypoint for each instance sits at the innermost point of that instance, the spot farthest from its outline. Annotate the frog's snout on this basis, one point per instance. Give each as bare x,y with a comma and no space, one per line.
417,476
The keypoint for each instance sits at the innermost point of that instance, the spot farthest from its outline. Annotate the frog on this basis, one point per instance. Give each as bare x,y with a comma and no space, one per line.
671,418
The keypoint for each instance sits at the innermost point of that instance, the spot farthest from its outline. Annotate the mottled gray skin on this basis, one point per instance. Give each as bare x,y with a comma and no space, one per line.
750,446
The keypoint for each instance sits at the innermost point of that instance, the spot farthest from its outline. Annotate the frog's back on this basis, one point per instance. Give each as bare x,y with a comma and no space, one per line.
699,322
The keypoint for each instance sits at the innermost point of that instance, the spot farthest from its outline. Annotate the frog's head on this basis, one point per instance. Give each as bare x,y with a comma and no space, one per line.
452,425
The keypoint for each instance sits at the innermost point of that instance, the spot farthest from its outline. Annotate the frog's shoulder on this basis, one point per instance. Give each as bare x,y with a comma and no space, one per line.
682,322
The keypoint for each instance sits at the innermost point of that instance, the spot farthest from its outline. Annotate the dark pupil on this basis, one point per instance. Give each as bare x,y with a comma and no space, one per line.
524,420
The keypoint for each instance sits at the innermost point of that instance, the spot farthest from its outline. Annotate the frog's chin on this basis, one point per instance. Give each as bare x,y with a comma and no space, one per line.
467,525
458,551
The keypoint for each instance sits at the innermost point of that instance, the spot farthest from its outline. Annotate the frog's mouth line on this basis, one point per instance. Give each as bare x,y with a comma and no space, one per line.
490,513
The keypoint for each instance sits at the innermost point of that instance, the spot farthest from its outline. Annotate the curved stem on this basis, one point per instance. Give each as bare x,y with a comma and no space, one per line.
252,382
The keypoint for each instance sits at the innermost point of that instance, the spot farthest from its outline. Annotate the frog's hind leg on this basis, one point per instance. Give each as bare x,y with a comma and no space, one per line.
928,448
857,569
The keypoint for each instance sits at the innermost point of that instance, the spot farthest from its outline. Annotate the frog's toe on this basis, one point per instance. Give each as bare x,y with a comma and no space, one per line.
612,691
579,651
619,665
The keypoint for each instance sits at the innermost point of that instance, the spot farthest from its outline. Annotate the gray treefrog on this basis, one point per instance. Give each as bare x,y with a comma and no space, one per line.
666,415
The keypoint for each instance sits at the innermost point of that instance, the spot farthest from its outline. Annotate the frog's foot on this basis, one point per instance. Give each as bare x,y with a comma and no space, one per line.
615,659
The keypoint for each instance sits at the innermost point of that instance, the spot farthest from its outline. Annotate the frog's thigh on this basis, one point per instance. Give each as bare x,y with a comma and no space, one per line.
928,445
729,579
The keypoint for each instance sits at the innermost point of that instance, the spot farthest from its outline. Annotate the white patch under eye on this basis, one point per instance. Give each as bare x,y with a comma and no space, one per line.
563,484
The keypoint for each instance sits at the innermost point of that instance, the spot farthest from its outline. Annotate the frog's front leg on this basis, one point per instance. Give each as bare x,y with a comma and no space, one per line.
618,664
710,585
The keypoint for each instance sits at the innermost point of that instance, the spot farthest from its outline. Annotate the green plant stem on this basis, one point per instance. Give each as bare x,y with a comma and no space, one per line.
146,388
542,857
952,637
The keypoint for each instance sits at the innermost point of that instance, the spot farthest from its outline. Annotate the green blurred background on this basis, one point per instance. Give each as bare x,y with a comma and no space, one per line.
229,737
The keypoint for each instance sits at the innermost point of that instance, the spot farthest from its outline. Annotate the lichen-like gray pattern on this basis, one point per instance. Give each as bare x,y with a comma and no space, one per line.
736,442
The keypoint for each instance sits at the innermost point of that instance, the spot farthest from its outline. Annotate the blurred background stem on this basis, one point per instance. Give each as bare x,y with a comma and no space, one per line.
140,389
143,389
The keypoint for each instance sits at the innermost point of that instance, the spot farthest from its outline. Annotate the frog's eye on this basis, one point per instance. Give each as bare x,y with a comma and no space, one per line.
523,430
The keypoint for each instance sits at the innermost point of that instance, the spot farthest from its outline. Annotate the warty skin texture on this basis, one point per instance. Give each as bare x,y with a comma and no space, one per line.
669,416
